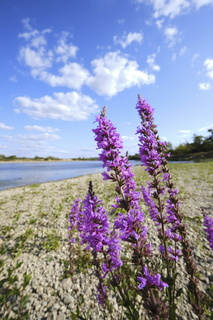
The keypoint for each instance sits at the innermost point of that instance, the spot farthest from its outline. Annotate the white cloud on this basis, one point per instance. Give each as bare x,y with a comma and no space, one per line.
65,106
183,50
205,128
36,55
200,3
31,139
127,138
151,62
127,39
41,129
36,59
173,8
5,127
208,63
65,50
194,58
204,86
115,73
168,8
30,145
110,74
72,75
34,37
185,133
172,35
159,23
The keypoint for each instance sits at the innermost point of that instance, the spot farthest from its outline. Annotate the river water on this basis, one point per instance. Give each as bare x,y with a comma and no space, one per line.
27,173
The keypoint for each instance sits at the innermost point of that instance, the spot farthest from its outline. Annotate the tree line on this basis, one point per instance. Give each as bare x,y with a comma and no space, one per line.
199,144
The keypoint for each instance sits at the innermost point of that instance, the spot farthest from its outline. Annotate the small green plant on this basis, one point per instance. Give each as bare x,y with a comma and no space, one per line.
16,217
6,232
13,299
32,220
56,211
35,185
51,241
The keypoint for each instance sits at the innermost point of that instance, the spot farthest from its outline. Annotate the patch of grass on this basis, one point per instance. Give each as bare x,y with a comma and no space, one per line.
51,241
35,185
12,296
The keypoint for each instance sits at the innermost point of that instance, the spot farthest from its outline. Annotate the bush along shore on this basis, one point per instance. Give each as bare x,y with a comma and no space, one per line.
143,251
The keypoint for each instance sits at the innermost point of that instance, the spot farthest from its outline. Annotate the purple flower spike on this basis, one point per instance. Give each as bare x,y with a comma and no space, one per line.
95,232
74,219
109,141
148,280
208,224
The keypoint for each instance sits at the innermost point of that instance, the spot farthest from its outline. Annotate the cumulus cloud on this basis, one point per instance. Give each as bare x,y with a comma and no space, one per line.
115,72
36,59
173,8
204,86
167,8
200,3
35,52
159,23
65,106
208,64
127,39
109,74
65,50
5,127
172,35
71,75
41,129
151,62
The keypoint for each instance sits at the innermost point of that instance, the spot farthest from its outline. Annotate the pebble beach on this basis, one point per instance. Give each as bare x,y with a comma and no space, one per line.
33,230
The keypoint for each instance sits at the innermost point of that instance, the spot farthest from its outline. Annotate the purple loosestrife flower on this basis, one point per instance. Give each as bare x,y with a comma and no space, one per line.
148,280
74,219
102,294
208,224
153,156
130,224
95,232
128,198
109,141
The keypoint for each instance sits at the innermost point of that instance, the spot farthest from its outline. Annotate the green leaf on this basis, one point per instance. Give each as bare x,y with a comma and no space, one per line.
179,292
18,264
27,278
13,279
23,302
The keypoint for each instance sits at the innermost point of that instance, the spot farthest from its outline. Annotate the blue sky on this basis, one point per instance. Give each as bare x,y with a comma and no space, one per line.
63,60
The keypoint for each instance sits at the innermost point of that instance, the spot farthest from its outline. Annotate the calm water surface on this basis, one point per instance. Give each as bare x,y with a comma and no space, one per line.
21,174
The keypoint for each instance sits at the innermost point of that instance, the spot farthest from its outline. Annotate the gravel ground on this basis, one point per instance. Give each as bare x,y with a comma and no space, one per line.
33,222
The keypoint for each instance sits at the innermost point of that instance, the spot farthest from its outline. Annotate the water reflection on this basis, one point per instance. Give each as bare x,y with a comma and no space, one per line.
21,174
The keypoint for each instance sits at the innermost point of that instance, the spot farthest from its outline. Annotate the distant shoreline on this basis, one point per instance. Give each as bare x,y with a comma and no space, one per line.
35,161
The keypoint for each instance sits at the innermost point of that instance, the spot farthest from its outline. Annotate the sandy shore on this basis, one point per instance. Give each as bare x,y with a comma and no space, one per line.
33,228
